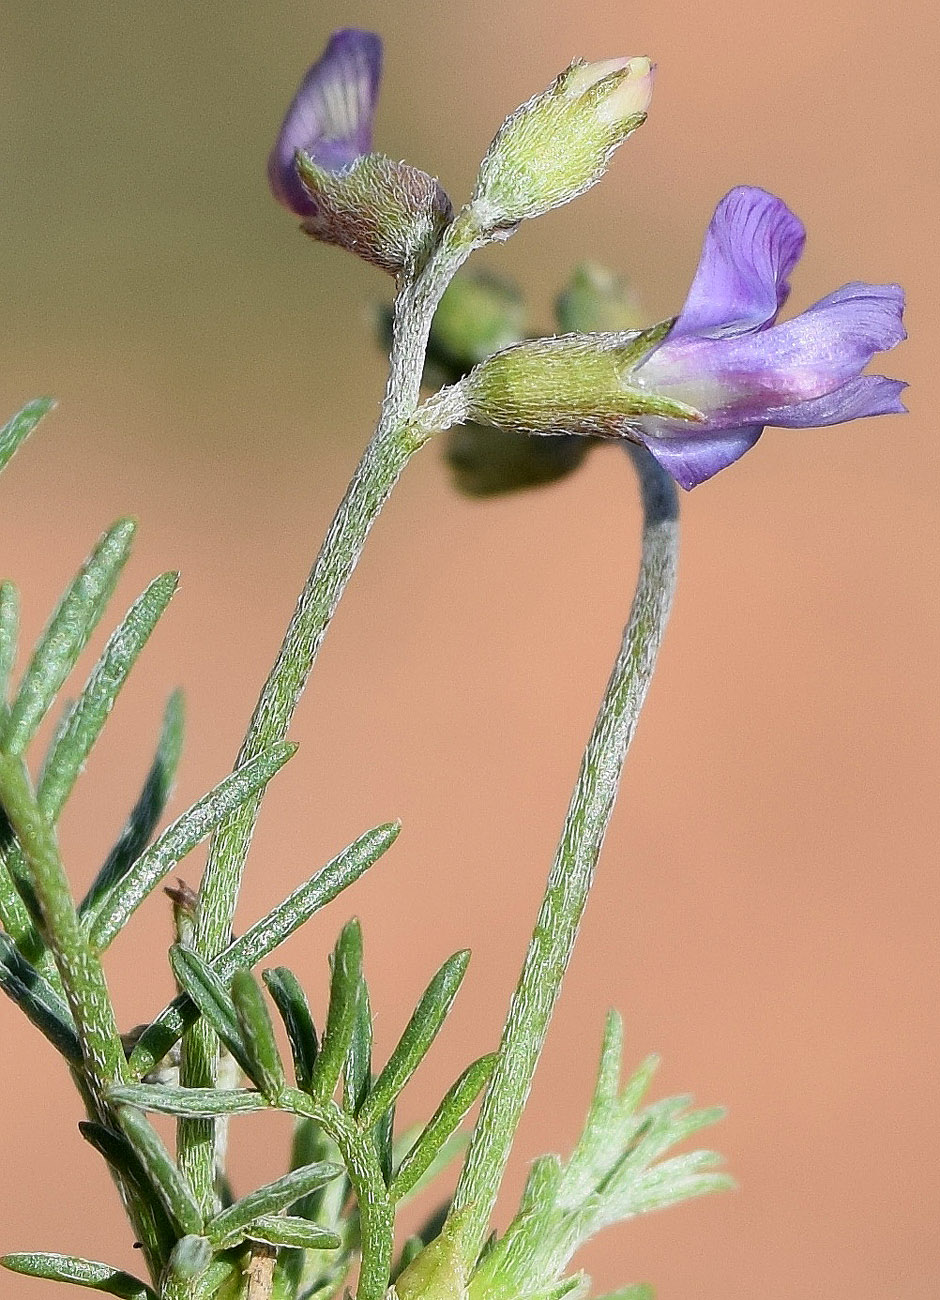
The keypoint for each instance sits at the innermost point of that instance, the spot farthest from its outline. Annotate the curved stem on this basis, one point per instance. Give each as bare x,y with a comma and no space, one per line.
572,871
395,441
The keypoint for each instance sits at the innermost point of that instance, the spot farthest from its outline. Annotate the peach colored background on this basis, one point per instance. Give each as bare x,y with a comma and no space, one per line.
766,909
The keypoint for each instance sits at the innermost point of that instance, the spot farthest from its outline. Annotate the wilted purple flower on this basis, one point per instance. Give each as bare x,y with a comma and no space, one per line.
727,358
330,117
322,167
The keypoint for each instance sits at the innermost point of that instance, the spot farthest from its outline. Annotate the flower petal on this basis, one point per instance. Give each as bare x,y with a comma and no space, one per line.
692,459
330,117
752,244
866,395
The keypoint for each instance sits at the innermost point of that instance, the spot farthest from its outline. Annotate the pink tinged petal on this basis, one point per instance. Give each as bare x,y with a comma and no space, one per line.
752,244
330,117
692,459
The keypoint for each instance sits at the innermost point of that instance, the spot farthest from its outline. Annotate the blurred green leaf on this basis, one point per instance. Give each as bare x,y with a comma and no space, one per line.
38,1000
15,432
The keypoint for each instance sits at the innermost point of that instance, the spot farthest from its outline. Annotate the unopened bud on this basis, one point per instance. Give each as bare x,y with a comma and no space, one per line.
560,143
478,315
596,300
486,462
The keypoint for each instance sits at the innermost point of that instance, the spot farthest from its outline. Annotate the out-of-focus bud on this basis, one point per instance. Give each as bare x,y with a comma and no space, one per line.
596,300
322,169
574,383
486,462
560,143
437,1272
478,314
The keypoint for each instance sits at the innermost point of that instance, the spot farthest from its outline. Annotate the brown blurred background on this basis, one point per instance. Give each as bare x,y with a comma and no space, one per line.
765,914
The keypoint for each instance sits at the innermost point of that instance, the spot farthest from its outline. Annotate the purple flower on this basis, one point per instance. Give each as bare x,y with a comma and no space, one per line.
728,358
330,117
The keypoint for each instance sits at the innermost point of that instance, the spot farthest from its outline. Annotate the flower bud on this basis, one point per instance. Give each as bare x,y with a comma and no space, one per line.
574,383
560,143
596,300
478,315
388,213
487,462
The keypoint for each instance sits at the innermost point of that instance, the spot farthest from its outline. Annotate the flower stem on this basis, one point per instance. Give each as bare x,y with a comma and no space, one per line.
395,441
572,871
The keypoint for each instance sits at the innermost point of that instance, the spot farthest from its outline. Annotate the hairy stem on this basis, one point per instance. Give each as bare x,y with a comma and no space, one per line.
395,440
572,871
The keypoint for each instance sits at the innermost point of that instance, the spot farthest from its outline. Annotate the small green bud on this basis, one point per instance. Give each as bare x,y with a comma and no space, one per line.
573,383
596,300
560,143
478,315
438,1272
486,462
388,213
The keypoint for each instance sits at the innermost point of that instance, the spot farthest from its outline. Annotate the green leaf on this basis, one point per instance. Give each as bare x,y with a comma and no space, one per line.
168,1182
120,1155
148,809
419,1034
15,432
188,1103
83,723
82,1272
9,631
39,1001
181,838
341,1015
449,1114
291,1002
384,1150
66,635
257,1033
281,1230
639,1291
265,935
212,998
357,1070
228,1228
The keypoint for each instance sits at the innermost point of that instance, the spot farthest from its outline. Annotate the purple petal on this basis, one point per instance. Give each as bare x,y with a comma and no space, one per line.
692,459
752,244
866,395
330,117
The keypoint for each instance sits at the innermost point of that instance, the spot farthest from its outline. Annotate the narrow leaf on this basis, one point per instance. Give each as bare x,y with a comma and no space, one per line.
66,635
281,1230
228,1228
168,1182
188,1103
9,631
148,809
449,1114
419,1034
181,838
82,1272
120,1155
608,1072
291,1002
257,1034
212,998
265,935
15,432
383,1135
341,1014
39,1001
357,1071
83,724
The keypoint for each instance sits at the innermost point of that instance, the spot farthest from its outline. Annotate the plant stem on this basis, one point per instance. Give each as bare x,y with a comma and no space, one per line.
394,443
572,871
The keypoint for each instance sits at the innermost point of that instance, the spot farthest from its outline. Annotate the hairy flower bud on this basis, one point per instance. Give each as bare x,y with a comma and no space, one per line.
322,169
573,383
560,143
